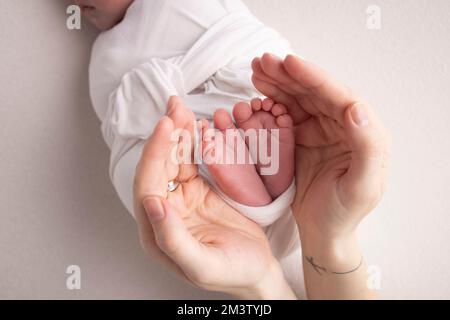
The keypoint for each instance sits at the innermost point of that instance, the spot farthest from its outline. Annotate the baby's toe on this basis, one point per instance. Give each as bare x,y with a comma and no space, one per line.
242,112
285,121
256,104
267,104
203,126
222,120
210,153
278,110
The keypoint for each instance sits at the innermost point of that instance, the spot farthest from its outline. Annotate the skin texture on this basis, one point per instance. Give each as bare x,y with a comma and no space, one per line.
239,181
192,230
341,166
266,114
244,183
104,14
341,163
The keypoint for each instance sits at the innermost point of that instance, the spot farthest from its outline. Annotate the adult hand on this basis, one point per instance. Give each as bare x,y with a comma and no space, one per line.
341,160
192,230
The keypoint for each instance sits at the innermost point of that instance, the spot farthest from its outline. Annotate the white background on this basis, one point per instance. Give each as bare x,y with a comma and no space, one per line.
57,206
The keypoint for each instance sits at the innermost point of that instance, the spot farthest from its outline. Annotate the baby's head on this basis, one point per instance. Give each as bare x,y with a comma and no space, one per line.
104,14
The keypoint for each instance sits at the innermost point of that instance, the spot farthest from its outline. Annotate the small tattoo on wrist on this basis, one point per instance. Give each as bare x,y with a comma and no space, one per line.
321,269
316,267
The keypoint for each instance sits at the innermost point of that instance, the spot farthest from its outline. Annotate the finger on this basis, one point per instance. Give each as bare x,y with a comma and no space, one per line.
334,96
272,91
172,236
174,113
150,179
295,110
362,186
148,244
184,122
151,173
259,72
273,67
276,91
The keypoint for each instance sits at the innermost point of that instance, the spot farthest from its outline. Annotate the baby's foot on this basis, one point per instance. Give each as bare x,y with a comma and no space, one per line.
270,115
238,180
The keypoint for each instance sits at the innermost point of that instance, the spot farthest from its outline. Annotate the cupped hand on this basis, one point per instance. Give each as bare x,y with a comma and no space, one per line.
342,148
192,230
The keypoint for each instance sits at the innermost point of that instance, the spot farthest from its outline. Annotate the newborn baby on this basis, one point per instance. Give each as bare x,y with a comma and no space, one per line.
201,51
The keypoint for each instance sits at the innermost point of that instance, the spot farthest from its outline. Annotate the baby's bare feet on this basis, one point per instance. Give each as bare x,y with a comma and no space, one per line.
227,158
269,115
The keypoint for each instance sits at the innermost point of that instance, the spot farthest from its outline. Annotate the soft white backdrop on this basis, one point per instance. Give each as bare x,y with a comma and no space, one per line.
57,206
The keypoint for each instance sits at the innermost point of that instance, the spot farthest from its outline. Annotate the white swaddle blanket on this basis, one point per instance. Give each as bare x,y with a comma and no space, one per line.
201,52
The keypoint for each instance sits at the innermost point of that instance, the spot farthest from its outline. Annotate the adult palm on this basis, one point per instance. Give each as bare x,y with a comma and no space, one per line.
192,230
341,156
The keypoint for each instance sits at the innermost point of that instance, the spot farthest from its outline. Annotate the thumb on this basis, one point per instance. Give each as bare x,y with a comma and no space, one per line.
362,185
172,236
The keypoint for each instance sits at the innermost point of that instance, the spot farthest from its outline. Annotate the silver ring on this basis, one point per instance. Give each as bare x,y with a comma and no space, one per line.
172,185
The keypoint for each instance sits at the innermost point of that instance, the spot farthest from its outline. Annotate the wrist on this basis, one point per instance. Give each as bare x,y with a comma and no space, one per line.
338,253
273,286
334,268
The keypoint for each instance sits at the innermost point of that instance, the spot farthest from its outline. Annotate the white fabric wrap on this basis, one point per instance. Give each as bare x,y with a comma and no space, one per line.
220,58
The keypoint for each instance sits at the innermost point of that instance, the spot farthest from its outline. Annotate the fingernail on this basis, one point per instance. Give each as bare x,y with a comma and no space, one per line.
359,116
154,209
